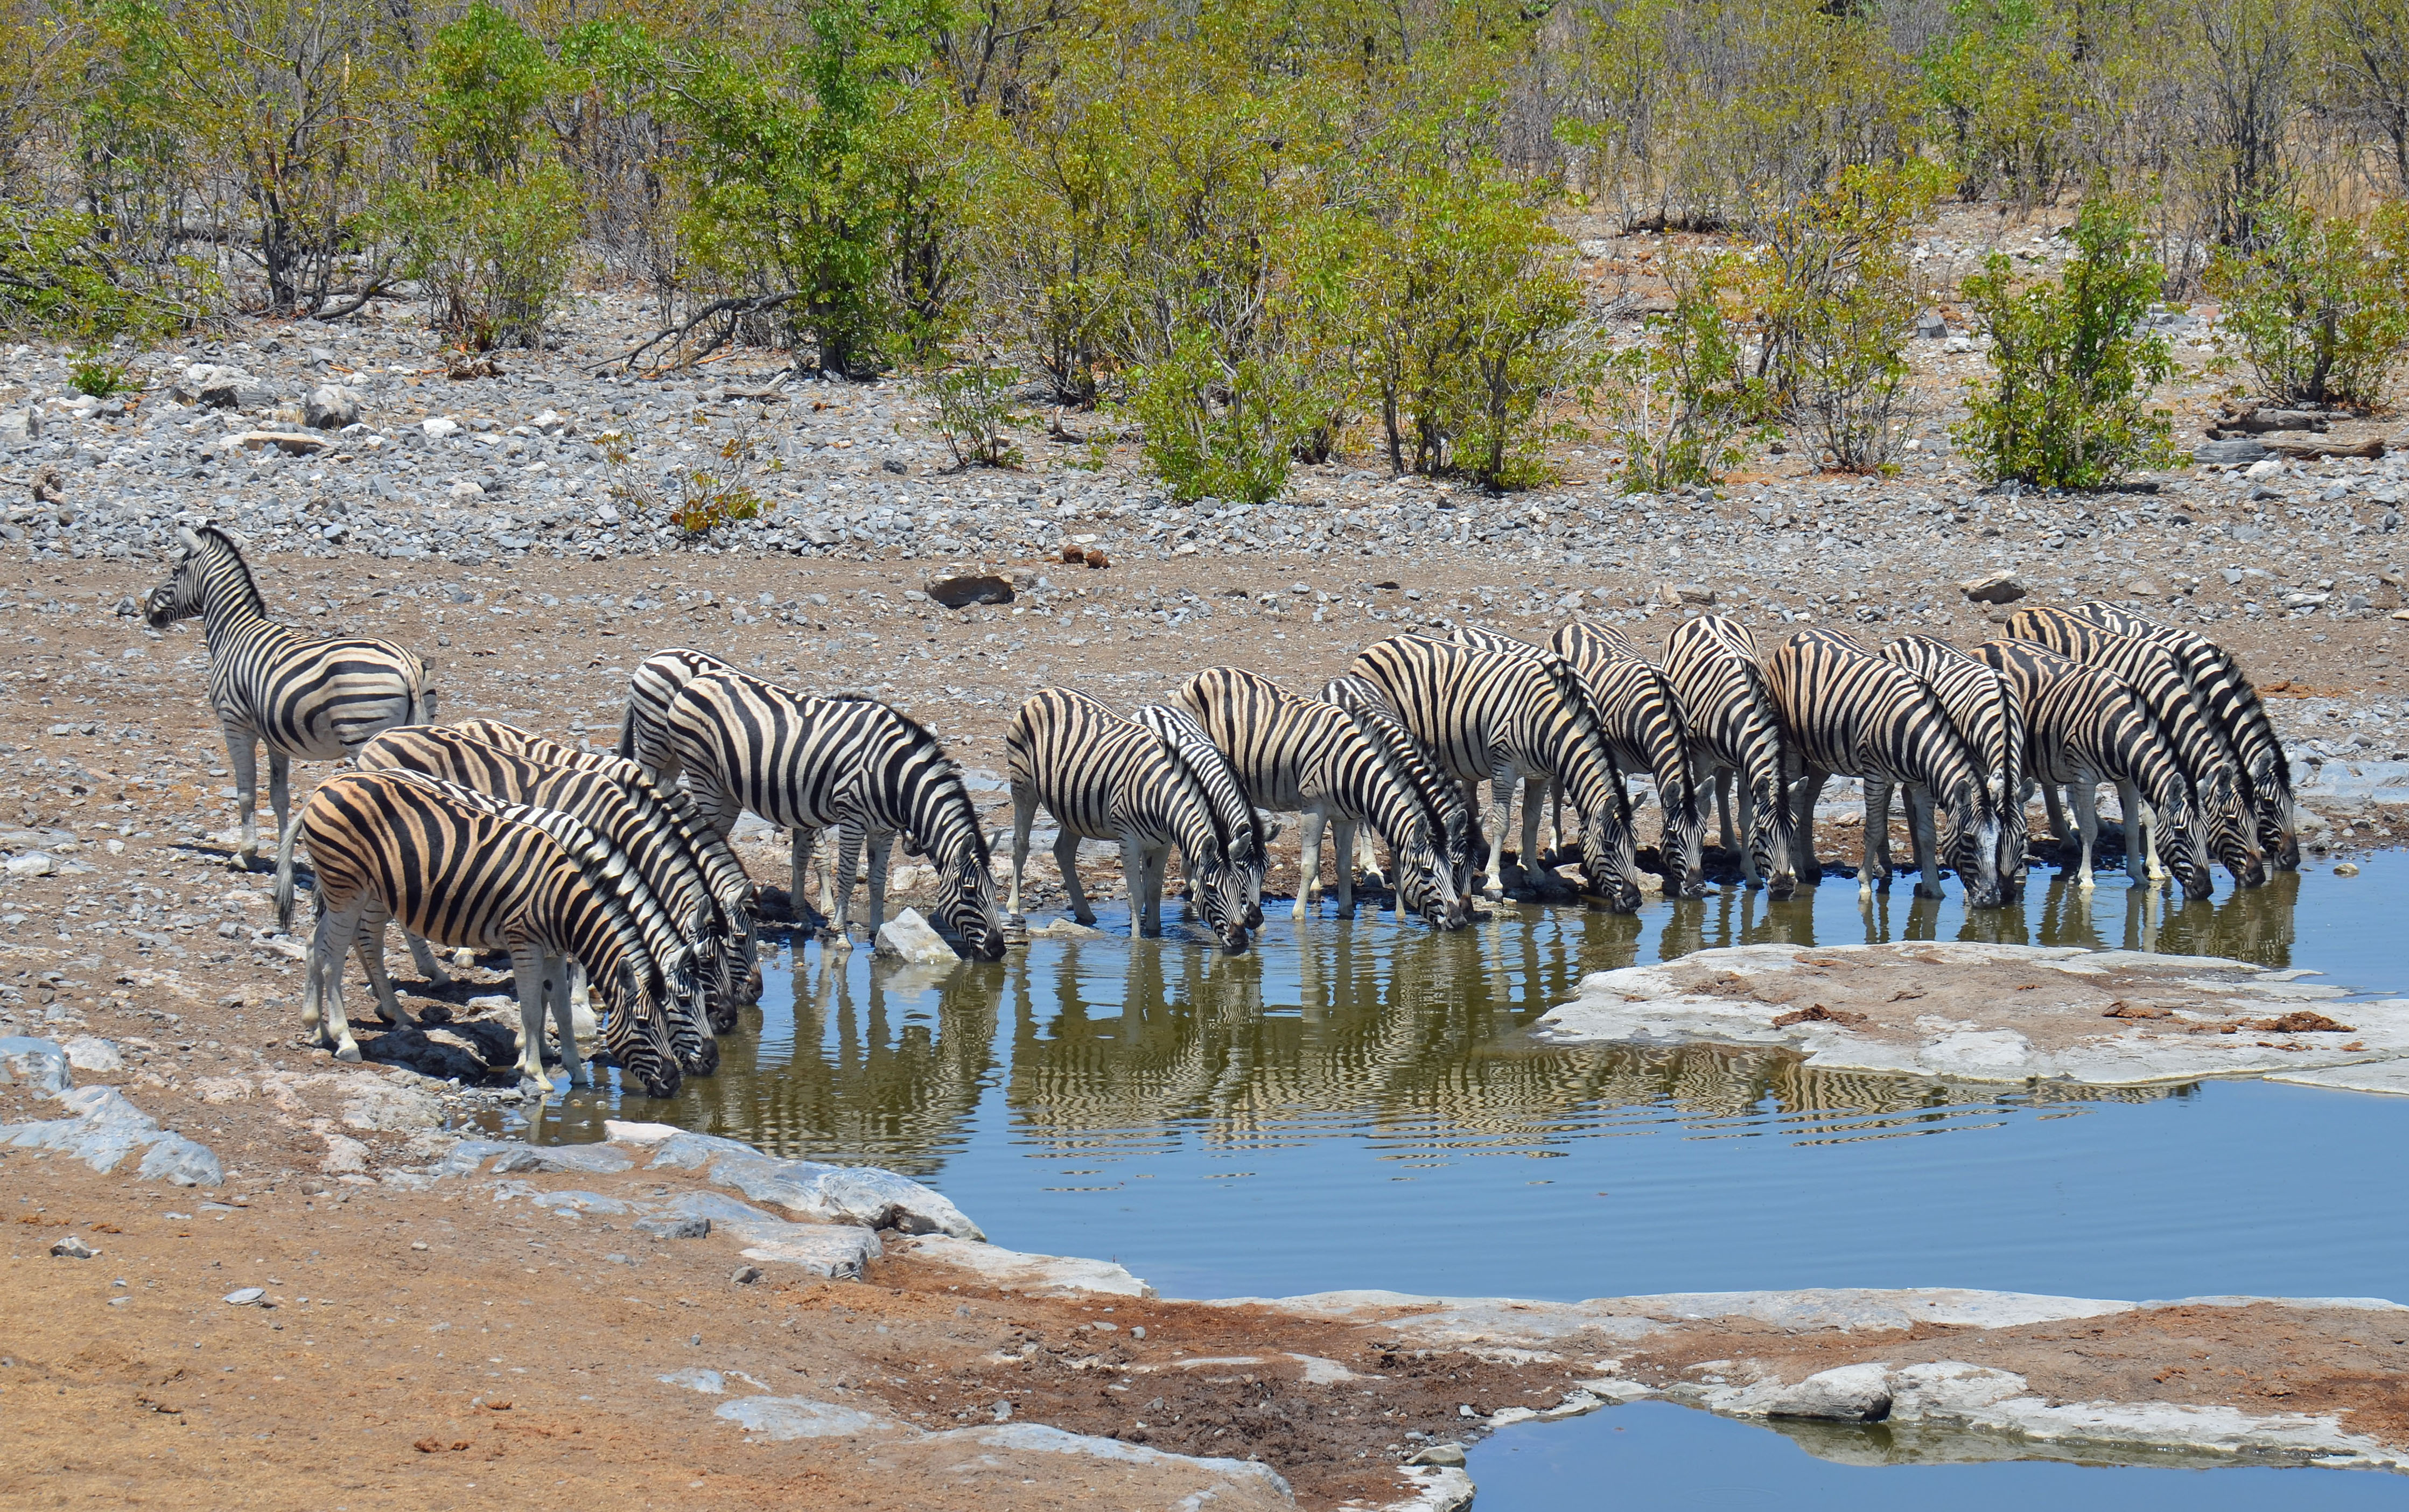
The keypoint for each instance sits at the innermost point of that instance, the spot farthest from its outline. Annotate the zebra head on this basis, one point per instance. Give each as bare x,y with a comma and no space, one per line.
2278,821
1221,893
2187,858
2231,831
1970,838
966,902
689,1003
1428,884
1773,843
638,1034
722,952
1607,860
181,597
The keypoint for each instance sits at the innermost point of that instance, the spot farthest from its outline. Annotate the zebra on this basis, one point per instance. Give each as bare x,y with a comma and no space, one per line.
305,697
685,930
731,889
1738,738
1851,712
459,868
2228,803
2235,706
1104,777
1455,826
1647,731
2084,726
1491,716
1303,755
1989,717
850,762
654,685
1245,836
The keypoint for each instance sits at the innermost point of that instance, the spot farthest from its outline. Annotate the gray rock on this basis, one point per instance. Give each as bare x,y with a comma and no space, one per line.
1439,1454
840,1252
244,1296
2240,449
181,1163
32,864
87,1052
1852,1394
745,1275
862,1195
674,1227
331,407
909,937
971,588
71,1247
1993,588
586,1159
38,1063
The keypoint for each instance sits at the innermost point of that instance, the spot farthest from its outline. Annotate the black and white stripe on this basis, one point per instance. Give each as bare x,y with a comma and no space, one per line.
1453,824
458,868
1104,777
1306,756
1500,718
1852,712
1739,740
1989,717
2227,801
2084,727
1246,836
2233,704
853,763
306,698
1647,731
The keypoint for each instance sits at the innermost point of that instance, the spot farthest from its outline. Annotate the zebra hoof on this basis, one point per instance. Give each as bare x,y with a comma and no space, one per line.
350,1053
1927,889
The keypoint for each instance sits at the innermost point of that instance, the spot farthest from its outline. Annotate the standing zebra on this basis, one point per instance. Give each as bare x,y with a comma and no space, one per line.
2233,705
852,763
451,866
1246,838
1104,777
2224,800
1498,718
2084,726
1576,691
685,930
1853,712
1989,717
306,697
1738,733
1300,755
1647,731
1455,826
730,887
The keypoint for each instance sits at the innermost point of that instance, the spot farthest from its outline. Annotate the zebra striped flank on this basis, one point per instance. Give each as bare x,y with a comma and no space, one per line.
654,685
2234,705
1245,837
1989,717
461,868
1575,689
684,930
1104,777
307,698
1495,717
1854,714
1306,756
1739,740
811,764
1647,731
1453,821
2084,726
2226,798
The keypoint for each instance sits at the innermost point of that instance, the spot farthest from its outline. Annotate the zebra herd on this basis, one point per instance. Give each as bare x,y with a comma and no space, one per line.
608,879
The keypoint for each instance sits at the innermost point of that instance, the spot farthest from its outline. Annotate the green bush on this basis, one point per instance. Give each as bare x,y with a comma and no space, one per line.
974,407
2066,405
1684,404
60,276
1213,430
2317,310
95,375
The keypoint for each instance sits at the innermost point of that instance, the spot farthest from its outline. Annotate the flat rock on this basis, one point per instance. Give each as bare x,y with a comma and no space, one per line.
41,1064
89,1052
674,1226
910,937
836,1250
590,1160
103,1129
1849,1394
1993,588
1038,1275
968,588
1990,1012
862,1195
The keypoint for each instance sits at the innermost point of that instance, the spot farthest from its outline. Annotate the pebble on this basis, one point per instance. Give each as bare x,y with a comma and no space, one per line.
244,1296
72,1247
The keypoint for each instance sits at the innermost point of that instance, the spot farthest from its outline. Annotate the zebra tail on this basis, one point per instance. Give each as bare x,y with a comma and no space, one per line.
628,731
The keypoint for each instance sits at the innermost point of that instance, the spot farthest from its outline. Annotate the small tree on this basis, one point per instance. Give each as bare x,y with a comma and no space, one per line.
1684,404
2070,378
1219,430
2317,309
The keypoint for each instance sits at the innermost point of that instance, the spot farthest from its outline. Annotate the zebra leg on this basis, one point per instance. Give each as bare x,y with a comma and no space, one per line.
322,993
1501,794
845,858
1535,860
1145,901
1024,815
242,754
1723,812
582,1022
535,974
2056,811
280,799
2085,797
1368,858
1802,801
1877,837
882,855
2141,858
1927,838
422,956
369,948
1066,857
1342,845
799,848
1308,864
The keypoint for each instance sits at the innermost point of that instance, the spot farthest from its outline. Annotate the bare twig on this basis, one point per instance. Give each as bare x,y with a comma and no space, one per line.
735,309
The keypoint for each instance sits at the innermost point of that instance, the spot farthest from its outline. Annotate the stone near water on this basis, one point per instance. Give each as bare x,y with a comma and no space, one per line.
839,1251
909,937
1851,1393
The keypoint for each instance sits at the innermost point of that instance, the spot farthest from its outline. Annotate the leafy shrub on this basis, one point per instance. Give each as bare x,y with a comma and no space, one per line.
2070,378
973,406
2317,309
95,375
695,500
1684,404
1216,431
60,276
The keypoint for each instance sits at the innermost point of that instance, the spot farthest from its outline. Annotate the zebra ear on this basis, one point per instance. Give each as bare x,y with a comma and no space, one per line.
190,540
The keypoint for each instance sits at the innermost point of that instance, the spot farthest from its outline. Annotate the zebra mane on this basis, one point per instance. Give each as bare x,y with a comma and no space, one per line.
210,532
945,769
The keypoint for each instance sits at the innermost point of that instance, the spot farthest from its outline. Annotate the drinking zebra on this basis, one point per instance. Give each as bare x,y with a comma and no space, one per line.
1245,836
1647,731
2227,801
457,868
1498,718
730,887
306,698
1739,740
690,937
851,763
1989,717
1455,826
1104,777
2233,705
1853,712
1301,755
2084,726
